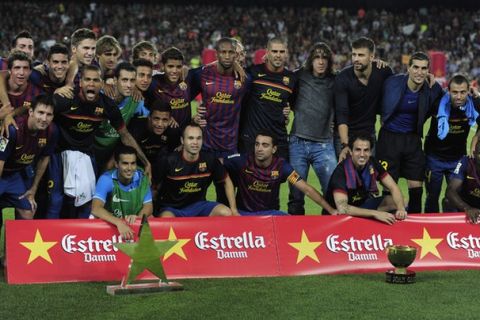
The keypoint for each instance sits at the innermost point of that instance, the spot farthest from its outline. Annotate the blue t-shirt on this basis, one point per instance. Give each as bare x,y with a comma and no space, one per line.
405,118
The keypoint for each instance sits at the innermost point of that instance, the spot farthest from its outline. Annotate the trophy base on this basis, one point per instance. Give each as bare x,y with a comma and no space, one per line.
392,277
143,288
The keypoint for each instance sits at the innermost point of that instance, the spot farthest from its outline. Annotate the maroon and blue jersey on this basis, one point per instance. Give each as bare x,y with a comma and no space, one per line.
466,171
43,81
258,188
24,146
26,97
79,119
222,97
176,95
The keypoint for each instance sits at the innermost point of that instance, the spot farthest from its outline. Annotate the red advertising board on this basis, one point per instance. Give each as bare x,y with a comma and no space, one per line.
42,251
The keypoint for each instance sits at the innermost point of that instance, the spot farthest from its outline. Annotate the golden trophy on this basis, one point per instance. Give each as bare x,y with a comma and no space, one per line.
401,257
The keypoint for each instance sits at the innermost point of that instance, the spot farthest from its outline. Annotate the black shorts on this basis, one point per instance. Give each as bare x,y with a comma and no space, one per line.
401,155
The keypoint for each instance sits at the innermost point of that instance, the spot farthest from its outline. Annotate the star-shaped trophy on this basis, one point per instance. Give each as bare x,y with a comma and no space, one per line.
146,253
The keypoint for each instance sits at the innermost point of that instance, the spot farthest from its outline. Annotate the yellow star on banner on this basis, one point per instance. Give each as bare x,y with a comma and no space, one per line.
177,248
428,244
38,248
306,248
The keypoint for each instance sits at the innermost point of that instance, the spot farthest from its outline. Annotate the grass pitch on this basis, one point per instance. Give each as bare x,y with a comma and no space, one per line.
436,295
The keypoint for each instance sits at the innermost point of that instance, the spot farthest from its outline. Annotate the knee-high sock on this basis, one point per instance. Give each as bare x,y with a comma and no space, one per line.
415,200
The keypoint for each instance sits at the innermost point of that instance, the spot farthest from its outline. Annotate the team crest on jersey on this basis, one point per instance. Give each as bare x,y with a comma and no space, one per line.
98,111
202,166
274,174
27,104
42,142
237,84
163,138
372,171
286,80
182,85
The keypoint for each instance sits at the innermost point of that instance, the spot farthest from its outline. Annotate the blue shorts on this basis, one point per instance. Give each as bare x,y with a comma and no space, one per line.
263,213
13,186
197,209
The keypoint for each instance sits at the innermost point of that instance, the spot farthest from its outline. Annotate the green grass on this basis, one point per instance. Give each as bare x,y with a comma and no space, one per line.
436,295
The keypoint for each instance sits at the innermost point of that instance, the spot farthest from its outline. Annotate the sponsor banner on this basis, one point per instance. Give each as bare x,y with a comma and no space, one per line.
82,250
41,251
352,245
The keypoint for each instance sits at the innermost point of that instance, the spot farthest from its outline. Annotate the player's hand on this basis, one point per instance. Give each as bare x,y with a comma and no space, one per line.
41,68
239,71
137,94
5,110
184,73
200,116
65,92
380,63
9,120
235,212
125,231
472,215
474,92
109,90
385,217
344,153
401,214
30,195
173,123
130,219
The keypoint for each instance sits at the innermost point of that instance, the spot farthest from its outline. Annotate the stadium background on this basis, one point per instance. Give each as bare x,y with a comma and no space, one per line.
451,26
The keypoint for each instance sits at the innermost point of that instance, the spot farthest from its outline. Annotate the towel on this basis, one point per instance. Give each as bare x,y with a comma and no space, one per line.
78,176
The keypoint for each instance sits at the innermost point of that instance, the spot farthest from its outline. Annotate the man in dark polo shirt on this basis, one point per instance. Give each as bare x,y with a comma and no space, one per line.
353,186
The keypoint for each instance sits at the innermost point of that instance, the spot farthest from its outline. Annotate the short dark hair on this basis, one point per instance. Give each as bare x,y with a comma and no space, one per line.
57,48
320,50
142,63
459,79
363,137
419,55
191,125
363,42
81,34
123,149
276,40
143,45
172,53
225,40
20,56
45,99
90,67
127,66
21,34
160,106
267,133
